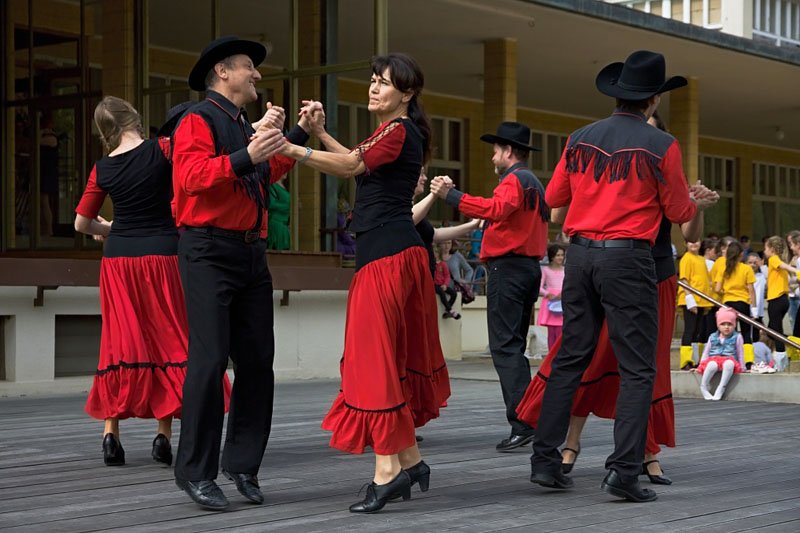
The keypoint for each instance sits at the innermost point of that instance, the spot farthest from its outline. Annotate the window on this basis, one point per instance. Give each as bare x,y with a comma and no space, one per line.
552,146
776,199
719,174
447,147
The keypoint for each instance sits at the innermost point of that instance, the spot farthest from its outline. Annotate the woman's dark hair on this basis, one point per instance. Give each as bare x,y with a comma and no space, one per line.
732,258
552,250
406,76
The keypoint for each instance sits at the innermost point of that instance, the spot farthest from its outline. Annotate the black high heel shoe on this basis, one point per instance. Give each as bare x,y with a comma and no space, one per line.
113,454
420,473
162,450
566,468
378,495
655,478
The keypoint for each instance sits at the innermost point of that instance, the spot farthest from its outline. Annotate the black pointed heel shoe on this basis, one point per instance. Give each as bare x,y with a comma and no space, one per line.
113,454
378,495
655,479
566,468
420,473
162,450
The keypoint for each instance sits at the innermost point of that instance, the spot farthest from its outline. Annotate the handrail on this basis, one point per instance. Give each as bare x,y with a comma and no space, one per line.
756,324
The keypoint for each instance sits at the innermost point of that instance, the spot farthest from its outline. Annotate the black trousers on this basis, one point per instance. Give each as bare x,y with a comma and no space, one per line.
776,310
619,285
511,291
693,326
228,292
744,328
447,296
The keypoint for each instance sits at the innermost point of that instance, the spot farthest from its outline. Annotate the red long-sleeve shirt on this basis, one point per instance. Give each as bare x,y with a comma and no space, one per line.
204,181
513,228
613,204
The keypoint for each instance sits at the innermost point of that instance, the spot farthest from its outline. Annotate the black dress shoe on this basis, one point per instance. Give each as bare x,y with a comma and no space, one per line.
378,495
627,487
655,479
514,441
206,493
558,480
113,454
162,451
247,485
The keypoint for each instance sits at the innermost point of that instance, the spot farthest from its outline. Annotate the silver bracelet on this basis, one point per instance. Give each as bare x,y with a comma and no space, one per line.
305,157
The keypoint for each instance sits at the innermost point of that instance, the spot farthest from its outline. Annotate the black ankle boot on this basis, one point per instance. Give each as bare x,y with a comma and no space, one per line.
113,454
162,450
420,473
378,495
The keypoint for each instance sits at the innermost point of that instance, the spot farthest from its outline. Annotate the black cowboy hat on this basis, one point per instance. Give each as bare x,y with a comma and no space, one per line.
511,134
218,50
641,76
173,116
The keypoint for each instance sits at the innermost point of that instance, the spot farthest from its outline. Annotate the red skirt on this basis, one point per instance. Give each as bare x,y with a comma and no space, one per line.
720,360
599,386
143,342
394,377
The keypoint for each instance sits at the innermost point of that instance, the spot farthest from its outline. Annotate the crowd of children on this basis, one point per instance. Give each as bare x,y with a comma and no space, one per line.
748,284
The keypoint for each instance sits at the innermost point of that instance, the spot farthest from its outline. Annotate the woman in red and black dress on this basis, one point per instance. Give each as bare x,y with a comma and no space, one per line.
393,373
143,343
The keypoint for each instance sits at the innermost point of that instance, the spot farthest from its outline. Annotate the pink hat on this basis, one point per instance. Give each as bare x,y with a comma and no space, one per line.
726,314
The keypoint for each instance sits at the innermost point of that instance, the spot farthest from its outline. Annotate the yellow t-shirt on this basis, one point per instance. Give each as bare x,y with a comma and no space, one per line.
734,287
693,269
719,266
777,278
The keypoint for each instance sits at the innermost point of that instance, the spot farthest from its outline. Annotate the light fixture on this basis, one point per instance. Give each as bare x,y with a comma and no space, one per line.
779,133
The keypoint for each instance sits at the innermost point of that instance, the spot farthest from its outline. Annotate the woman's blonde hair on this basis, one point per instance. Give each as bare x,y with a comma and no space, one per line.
113,116
778,246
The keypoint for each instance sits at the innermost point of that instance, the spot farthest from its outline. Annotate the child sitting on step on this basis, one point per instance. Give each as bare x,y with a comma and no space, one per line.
724,350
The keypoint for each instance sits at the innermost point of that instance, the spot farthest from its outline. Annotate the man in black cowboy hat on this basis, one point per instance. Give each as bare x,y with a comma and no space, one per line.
514,241
619,177
221,173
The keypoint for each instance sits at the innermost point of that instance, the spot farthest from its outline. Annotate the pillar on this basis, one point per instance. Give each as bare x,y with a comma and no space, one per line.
684,124
499,101
119,54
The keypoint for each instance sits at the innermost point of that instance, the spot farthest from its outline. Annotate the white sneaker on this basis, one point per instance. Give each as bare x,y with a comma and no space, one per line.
706,394
538,357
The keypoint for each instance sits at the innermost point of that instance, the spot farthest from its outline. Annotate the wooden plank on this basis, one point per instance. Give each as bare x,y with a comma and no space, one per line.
55,480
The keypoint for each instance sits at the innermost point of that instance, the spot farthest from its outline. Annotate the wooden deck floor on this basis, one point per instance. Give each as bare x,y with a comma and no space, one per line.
736,469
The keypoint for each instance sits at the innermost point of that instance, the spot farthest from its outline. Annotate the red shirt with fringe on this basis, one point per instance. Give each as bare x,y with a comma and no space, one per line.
619,176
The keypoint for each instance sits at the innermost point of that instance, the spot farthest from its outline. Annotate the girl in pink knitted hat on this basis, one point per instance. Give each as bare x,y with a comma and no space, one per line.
724,350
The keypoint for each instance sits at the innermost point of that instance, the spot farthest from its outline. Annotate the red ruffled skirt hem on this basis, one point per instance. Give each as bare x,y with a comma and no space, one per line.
386,432
720,359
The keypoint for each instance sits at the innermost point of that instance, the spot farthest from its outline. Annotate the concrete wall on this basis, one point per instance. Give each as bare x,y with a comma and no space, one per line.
309,332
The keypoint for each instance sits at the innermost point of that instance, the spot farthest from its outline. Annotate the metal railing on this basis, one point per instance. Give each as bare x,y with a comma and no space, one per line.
755,323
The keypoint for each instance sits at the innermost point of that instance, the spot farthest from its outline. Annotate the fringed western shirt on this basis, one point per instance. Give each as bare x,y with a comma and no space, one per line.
620,176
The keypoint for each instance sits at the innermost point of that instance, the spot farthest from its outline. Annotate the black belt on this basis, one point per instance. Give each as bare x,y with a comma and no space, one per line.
610,243
248,236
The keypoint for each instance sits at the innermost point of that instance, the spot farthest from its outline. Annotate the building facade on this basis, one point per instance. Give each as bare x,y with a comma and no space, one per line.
484,60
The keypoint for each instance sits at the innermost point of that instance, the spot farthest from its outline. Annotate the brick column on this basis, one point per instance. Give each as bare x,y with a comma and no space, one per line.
684,124
499,102
119,65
